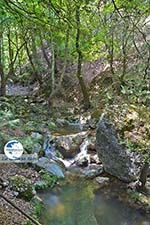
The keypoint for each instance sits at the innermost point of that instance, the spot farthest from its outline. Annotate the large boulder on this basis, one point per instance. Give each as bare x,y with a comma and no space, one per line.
116,159
50,166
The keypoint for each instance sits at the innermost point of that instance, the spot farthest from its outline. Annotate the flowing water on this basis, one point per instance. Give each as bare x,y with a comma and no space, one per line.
79,203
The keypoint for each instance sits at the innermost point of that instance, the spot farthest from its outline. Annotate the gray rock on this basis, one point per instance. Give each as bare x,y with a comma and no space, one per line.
83,162
55,169
69,145
116,160
93,171
36,135
102,181
90,171
50,166
95,159
15,193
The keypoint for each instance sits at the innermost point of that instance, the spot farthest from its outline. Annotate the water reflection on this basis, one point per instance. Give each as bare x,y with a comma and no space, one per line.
78,204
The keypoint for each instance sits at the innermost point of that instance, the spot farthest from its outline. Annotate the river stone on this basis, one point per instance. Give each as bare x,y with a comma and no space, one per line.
90,172
69,145
116,160
82,162
93,170
50,166
102,180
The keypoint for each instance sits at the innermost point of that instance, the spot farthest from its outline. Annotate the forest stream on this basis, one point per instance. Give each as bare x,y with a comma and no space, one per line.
78,203
75,112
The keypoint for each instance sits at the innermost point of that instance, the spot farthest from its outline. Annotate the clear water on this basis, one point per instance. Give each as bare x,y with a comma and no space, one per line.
80,204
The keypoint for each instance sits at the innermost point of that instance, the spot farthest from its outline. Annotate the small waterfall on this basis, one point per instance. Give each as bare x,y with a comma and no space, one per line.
83,150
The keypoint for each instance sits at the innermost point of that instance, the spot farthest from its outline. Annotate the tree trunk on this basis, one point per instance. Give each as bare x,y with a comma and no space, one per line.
11,55
143,175
79,62
53,67
2,75
3,82
35,73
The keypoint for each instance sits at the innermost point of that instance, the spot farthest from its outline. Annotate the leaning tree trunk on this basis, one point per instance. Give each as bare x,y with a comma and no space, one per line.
11,55
79,63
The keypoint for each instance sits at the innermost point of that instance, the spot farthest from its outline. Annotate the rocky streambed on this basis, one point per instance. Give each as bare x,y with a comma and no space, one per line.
92,165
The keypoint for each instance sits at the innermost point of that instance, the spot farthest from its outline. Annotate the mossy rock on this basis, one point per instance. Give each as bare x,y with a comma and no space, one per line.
23,186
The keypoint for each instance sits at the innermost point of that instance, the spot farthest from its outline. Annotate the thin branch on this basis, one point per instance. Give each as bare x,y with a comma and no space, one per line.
116,8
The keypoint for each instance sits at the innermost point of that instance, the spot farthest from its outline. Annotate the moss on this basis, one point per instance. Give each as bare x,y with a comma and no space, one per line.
23,186
40,185
37,206
49,179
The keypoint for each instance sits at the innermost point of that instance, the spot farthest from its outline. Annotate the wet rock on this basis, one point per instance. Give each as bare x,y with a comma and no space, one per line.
91,148
90,171
50,166
82,162
102,181
134,185
116,160
69,145
93,171
95,159
49,147
92,123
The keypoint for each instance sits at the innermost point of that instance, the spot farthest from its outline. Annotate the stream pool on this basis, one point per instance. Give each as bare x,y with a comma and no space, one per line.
80,203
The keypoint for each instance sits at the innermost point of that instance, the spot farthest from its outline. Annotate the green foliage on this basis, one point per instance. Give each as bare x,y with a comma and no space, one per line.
7,119
23,186
114,31
49,179
30,144
38,206
29,223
